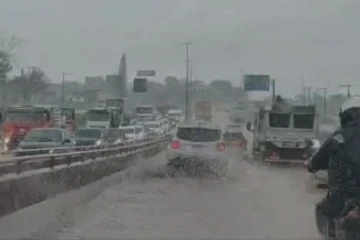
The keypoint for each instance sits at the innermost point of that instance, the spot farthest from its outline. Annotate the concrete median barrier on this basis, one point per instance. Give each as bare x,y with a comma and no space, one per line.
18,191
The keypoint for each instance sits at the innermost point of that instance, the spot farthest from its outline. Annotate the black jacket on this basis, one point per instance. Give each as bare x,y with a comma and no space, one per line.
340,156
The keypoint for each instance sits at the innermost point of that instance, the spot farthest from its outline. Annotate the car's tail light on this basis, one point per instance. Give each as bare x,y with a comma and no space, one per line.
274,155
221,147
175,144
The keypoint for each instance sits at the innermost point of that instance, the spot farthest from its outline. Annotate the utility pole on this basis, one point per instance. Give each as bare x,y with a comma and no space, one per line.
273,81
30,71
187,97
348,86
303,89
195,84
190,87
64,74
308,93
325,97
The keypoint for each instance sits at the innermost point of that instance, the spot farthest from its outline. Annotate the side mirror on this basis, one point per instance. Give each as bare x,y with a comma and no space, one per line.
248,127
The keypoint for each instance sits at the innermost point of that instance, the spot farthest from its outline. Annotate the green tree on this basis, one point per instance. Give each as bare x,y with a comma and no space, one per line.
7,47
28,85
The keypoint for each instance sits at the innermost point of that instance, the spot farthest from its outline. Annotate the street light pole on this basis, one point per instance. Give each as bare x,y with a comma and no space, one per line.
187,100
348,86
325,96
309,94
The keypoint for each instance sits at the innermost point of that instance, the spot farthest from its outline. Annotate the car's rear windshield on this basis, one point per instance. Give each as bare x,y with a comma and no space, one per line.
234,135
199,134
40,135
279,120
88,133
127,130
304,121
115,133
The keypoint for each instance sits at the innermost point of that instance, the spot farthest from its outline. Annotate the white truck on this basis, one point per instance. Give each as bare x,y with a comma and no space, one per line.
146,112
281,134
108,113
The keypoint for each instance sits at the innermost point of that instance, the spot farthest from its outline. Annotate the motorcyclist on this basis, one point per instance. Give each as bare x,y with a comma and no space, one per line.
340,155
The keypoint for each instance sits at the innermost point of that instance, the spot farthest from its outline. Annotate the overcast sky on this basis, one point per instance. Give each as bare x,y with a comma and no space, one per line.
284,38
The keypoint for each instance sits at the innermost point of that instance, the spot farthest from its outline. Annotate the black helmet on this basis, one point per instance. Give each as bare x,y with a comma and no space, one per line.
350,111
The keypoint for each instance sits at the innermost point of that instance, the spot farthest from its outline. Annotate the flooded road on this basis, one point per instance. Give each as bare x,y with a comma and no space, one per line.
251,202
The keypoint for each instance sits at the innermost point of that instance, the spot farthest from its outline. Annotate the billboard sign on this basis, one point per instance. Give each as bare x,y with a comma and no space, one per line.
256,82
146,73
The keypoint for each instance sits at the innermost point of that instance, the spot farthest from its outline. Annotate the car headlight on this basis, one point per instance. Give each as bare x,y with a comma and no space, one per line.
98,142
51,151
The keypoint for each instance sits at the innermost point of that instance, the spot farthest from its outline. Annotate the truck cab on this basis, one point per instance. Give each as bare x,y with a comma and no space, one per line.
108,113
281,135
146,112
18,120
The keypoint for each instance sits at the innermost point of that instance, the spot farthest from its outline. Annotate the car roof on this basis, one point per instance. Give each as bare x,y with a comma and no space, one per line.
233,130
48,129
233,125
152,122
198,124
127,127
175,111
100,129
144,105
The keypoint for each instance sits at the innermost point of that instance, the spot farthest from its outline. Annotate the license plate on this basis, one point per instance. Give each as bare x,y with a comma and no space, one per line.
197,146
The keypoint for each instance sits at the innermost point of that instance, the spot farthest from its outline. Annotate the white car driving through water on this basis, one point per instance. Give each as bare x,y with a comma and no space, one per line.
198,144
133,132
154,127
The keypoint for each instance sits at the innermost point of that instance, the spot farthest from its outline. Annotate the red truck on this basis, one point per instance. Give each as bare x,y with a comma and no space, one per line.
18,120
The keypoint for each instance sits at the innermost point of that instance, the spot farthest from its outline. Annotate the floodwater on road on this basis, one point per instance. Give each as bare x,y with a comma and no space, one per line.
251,202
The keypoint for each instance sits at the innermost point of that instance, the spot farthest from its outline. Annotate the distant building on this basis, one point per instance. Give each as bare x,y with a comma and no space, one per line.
112,87
94,83
123,77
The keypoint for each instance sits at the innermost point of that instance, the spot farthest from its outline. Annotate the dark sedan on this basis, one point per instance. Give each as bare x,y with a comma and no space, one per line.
45,141
115,136
90,136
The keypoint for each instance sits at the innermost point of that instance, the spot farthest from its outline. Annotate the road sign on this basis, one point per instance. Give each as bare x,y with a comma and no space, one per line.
146,73
140,85
256,82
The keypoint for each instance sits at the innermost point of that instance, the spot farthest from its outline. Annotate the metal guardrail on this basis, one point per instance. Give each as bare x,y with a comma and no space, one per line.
77,154
43,151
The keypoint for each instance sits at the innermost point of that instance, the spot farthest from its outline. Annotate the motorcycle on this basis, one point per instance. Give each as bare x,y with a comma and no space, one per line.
347,226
